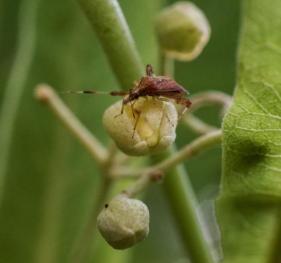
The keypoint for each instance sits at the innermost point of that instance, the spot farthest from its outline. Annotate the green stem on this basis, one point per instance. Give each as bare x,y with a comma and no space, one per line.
83,244
183,203
204,99
211,98
103,157
16,81
195,147
138,186
166,65
108,21
197,125
198,145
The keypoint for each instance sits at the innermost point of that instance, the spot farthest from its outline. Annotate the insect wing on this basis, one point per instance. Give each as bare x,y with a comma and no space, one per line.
163,86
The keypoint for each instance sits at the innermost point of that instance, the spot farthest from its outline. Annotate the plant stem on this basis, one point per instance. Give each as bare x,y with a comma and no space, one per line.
203,99
182,201
211,97
83,244
16,81
47,95
183,204
197,125
197,146
194,148
108,21
166,65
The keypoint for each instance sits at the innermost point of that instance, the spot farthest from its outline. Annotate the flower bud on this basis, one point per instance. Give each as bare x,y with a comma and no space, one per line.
123,222
148,126
182,30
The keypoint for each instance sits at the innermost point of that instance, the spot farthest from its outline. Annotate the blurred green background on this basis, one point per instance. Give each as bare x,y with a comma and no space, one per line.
51,181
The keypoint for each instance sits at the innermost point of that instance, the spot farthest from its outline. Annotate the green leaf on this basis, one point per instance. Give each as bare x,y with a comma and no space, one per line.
248,207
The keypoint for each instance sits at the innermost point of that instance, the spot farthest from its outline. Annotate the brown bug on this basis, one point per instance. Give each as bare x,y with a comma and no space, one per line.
159,87
154,86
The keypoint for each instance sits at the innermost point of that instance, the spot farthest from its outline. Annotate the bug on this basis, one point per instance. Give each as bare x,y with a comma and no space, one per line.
153,86
160,87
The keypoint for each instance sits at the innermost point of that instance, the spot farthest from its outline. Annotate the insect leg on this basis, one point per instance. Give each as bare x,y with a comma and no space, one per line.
186,103
132,107
183,101
122,109
136,123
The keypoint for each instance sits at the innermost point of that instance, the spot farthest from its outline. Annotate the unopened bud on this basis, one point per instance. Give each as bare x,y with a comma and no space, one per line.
123,222
149,126
182,30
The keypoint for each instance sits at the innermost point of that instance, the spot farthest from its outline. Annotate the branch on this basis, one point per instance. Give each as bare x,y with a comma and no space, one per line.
47,95
108,21
197,125
204,99
194,148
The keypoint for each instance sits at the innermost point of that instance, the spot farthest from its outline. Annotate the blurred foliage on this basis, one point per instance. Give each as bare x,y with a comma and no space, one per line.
51,181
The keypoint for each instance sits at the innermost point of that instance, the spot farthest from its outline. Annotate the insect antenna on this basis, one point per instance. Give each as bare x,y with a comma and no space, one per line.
95,92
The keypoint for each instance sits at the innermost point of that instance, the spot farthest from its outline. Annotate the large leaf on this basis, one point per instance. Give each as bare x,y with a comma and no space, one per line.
251,183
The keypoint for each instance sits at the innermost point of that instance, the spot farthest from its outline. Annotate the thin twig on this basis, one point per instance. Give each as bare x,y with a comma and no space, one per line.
139,185
195,147
167,65
47,95
197,125
210,98
201,100
124,172
82,245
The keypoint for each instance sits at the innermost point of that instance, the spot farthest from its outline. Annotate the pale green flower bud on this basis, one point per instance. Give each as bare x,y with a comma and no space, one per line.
155,129
123,222
182,30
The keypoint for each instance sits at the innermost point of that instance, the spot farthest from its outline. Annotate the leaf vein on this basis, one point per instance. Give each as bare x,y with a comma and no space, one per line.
256,101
